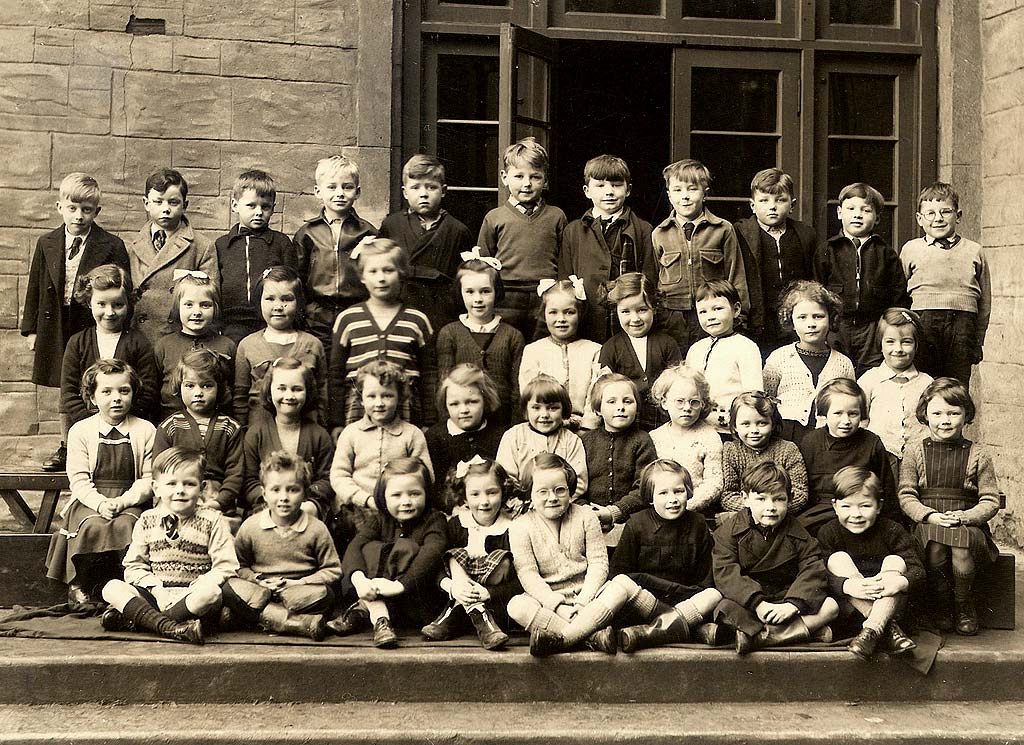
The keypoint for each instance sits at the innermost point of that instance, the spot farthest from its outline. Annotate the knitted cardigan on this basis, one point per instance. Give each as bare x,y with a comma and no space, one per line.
699,450
614,461
738,457
501,359
787,378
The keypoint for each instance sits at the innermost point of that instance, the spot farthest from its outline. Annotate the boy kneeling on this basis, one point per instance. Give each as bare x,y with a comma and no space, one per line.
288,560
873,563
179,557
769,569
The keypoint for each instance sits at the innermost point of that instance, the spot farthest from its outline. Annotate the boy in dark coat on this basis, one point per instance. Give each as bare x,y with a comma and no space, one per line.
776,251
433,238
607,241
51,315
769,569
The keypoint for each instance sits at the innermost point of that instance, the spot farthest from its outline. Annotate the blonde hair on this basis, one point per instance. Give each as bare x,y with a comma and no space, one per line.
80,187
334,165
670,375
689,171
386,247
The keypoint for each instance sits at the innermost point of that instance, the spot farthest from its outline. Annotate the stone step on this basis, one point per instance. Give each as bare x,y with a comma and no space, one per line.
511,724
60,671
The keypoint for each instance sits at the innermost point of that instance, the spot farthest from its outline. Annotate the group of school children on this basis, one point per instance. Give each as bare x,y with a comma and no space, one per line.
662,462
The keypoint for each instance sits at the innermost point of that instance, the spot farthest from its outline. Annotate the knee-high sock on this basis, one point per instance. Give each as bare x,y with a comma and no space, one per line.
691,613
882,610
963,583
596,614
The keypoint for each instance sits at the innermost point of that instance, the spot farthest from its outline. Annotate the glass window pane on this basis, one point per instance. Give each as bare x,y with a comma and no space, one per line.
533,87
470,206
733,160
730,209
863,12
469,153
542,135
622,7
884,227
861,104
857,160
727,100
467,87
743,10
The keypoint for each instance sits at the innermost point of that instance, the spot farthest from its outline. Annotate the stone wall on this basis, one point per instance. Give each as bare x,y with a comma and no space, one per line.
274,84
1001,375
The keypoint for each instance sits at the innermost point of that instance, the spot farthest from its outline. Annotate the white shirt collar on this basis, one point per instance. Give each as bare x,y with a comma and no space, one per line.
780,229
888,373
454,430
299,526
487,328
614,218
69,239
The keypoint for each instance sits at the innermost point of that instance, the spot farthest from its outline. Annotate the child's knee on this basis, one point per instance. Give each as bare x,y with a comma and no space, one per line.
893,563
626,584
829,609
841,564
522,609
202,599
116,592
962,559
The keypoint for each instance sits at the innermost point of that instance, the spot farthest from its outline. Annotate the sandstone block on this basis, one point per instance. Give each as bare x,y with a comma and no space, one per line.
196,153
297,208
205,181
17,244
109,17
143,156
29,208
152,53
375,165
16,43
289,62
123,214
1003,152
282,111
90,78
54,46
17,359
209,213
31,89
327,22
292,166
259,20
47,14
1005,92
992,8
1000,37
197,55
104,48
92,106
101,157
9,302
27,163
18,414
158,104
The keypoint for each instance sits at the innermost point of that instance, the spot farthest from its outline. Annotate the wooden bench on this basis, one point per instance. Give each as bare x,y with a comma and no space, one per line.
12,483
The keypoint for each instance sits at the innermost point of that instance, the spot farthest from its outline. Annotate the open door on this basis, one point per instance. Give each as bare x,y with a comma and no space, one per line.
526,64
737,112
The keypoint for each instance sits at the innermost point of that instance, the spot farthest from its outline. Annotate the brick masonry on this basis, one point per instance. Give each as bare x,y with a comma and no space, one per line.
270,84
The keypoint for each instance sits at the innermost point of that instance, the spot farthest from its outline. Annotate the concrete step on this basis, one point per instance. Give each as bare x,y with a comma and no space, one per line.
55,671
511,724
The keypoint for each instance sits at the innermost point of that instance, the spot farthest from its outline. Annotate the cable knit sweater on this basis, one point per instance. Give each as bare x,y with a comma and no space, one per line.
571,567
787,378
737,458
699,450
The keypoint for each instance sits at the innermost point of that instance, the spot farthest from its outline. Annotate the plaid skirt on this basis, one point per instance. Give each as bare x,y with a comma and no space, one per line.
492,569
975,538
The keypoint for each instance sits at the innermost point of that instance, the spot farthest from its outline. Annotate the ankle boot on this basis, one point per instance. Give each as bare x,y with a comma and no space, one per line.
794,632
112,620
276,619
487,629
939,600
897,642
384,636
747,643
707,634
668,628
865,643
354,618
966,616
544,643
603,640
144,616
444,626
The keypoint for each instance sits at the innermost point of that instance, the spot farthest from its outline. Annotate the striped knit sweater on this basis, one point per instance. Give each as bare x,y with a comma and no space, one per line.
201,548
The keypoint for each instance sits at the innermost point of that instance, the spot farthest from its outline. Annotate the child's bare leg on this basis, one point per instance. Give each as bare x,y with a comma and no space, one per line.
377,609
883,609
117,593
828,613
841,564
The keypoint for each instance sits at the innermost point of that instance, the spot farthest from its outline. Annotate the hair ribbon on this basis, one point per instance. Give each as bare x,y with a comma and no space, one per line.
544,285
180,274
474,254
366,241
577,287
907,316
462,469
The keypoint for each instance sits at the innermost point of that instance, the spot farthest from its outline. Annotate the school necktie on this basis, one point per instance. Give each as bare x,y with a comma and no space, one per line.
943,242
857,242
170,525
76,246
688,229
528,209
159,238
606,224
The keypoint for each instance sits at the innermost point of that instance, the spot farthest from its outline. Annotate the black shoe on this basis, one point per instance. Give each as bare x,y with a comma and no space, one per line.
112,620
384,636
58,461
189,631
603,640
897,641
544,643
707,634
355,618
966,618
445,626
77,596
865,643
490,634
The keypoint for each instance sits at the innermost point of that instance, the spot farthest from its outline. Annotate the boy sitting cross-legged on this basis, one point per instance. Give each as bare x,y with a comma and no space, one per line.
873,564
287,558
179,557
769,569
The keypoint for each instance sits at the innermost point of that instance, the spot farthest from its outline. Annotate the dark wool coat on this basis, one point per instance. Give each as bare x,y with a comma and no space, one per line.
44,299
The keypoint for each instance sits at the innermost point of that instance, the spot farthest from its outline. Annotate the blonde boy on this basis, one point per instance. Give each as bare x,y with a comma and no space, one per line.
324,246
51,316
691,246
